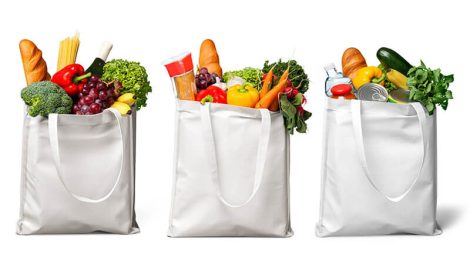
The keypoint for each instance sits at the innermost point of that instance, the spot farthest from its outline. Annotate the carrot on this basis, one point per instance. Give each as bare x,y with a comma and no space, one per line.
274,106
285,75
267,83
272,95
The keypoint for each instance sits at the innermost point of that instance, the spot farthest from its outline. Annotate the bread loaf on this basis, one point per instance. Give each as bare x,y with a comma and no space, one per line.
209,58
35,68
352,61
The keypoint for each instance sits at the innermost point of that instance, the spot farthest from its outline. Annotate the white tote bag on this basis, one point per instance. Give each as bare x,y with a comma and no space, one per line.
78,174
231,173
379,170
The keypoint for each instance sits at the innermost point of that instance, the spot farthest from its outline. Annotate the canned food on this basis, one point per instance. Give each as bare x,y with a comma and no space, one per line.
399,96
372,92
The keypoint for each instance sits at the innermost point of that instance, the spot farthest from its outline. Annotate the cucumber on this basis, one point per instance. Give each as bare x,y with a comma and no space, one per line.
392,60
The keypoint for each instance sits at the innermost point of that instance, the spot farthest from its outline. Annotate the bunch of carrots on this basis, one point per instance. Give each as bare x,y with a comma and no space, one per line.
269,96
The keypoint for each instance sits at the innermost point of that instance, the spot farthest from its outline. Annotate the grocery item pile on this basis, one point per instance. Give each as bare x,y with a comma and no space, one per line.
394,80
278,86
73,90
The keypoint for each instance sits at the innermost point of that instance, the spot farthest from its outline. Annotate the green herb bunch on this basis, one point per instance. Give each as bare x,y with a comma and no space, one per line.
430,87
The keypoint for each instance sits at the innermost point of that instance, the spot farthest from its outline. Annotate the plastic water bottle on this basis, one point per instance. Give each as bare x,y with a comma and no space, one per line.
334,77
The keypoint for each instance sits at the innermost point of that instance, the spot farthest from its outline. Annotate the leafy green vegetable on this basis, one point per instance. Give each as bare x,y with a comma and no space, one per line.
131,75
297,75
292,110
44,98
294,114
387,83
430,87
249,74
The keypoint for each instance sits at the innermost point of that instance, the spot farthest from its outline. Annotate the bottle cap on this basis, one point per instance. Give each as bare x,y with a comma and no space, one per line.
341,89
329,66
180,64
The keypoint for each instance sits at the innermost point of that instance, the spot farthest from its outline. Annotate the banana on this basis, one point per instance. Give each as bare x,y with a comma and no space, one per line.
123,108
127,98
398,79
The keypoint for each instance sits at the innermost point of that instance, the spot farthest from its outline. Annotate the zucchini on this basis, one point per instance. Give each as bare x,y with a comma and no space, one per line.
392,60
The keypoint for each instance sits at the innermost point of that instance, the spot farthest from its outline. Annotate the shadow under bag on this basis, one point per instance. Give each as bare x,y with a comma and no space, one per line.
78,174
231,175
379,170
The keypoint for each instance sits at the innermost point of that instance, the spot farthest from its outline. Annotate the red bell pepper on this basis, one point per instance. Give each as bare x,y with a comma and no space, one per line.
212,94
71,78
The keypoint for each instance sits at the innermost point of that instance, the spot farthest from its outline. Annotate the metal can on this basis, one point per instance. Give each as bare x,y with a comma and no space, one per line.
372,92
399,96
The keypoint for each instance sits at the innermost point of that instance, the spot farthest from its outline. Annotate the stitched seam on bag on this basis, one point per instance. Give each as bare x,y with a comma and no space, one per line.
245,111
375,115
132,171
135,225
288,229
175,162
24,163
323,168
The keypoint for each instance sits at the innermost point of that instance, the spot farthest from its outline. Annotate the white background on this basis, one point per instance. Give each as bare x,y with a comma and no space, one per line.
246,33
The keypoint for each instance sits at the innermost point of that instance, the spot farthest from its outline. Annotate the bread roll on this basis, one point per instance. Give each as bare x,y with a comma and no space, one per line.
35,68
209,58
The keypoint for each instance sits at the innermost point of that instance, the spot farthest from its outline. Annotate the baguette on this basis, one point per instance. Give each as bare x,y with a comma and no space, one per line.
209,58
35,68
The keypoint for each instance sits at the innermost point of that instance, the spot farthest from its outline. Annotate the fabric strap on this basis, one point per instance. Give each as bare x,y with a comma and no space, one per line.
54,142
359,138
212,153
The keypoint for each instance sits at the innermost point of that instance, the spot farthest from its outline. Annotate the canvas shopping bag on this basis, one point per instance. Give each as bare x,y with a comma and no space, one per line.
231,173
78,174
379,169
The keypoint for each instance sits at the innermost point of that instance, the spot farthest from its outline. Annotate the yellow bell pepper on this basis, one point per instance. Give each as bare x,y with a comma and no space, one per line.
369,74
242,95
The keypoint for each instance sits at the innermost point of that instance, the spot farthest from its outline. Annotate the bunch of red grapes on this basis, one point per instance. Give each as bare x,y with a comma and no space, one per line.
205,79
96,96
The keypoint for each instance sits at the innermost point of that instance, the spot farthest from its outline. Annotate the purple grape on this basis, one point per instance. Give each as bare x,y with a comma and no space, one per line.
214,78
110,101
102,95
203,84
109,93
84,109
94,78
203,70
116,94
81,101
118,85
85,90
100,86
95,108
93,94
76,108
87,100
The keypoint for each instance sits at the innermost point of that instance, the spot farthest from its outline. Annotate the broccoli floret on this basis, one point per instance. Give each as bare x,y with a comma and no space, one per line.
44,98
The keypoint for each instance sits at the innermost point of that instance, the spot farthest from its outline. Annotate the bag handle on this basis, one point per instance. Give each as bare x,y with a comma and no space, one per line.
54,142
359,138
212,153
